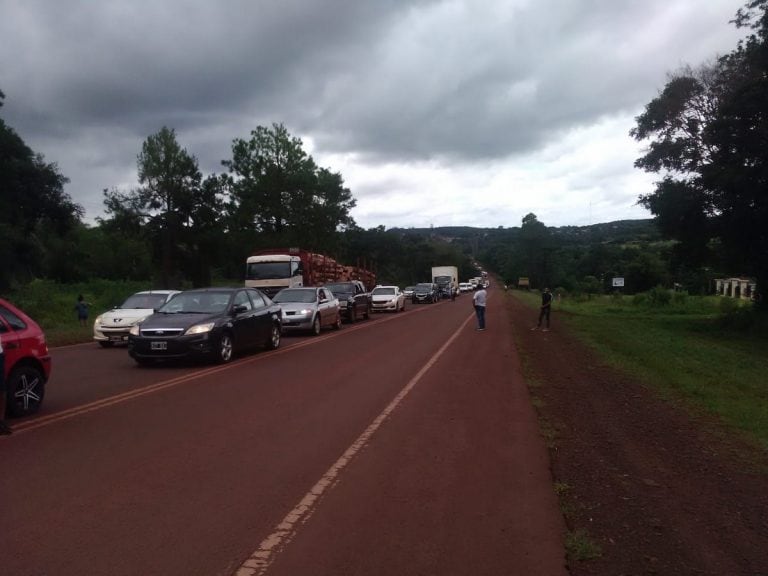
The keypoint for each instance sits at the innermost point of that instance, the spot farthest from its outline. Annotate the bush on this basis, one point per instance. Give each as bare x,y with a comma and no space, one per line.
659,296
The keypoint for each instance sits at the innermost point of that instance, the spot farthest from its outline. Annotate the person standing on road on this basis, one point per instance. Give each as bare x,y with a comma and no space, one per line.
478,301
546,307
4,428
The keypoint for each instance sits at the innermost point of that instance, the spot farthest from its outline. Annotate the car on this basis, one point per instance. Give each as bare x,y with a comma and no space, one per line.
207,323
354,299
387,298
27,361
113,326
465,287
408,291
309,308
425,292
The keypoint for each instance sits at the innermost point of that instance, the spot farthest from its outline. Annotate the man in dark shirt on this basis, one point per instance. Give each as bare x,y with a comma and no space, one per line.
546,306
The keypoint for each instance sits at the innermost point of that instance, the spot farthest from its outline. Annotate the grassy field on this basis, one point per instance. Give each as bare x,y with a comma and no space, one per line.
706,351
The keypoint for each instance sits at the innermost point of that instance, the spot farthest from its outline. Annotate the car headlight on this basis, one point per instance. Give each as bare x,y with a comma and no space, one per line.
200,328
97,322
134,331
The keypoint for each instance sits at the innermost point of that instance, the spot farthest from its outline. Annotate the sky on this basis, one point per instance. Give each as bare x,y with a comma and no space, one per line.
435,113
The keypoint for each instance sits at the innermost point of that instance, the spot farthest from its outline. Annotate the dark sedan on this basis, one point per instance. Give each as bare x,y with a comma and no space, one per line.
211,323
425,292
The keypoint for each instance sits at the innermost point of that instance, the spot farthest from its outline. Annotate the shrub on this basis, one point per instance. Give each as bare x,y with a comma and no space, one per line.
659,296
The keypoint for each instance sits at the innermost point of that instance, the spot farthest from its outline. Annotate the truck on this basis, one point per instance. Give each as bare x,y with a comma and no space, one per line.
272,269
447,280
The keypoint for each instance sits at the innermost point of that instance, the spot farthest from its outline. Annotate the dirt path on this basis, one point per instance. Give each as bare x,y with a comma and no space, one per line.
659,491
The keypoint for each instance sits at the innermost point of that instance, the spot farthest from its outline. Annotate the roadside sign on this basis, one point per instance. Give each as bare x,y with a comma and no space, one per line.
618,283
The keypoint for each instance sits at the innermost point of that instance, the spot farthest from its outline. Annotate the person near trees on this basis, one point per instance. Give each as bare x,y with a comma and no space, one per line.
82,310
546,308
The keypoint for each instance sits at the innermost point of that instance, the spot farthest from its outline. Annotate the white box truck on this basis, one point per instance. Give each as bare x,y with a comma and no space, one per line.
447,280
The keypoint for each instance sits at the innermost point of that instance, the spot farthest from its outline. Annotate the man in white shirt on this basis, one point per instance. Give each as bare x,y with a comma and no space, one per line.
4,428
478,300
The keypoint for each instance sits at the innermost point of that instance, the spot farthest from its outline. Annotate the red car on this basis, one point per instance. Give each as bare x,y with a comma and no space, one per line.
27,360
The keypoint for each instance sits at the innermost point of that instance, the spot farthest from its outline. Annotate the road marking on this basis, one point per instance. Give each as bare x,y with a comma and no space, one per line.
258,563
42,421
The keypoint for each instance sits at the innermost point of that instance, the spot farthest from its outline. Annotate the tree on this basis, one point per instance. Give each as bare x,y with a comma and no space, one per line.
280,196
168,209
708,130
35,212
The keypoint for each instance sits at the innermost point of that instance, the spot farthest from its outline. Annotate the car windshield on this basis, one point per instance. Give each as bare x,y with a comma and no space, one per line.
423,288
148,301
197,303
294,295
340,288
383,291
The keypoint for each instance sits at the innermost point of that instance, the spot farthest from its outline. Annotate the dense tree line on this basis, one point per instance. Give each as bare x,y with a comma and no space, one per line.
708,139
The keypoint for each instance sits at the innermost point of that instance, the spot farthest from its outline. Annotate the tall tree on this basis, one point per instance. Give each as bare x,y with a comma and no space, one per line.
709,133
280,196
170,181
35,212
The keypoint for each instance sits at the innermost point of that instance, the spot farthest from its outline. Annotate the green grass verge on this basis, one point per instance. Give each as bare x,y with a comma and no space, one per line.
683,349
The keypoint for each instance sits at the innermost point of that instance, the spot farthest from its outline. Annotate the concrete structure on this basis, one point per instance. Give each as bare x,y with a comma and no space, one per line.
743,288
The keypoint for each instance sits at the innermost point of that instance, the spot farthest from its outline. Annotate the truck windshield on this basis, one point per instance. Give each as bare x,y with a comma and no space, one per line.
442,279
267,270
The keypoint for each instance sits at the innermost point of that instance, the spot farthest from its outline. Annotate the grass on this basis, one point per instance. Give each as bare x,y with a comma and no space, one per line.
683,348
579,546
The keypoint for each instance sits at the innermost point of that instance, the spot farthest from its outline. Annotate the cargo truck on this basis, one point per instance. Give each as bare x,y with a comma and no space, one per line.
271,270
447,280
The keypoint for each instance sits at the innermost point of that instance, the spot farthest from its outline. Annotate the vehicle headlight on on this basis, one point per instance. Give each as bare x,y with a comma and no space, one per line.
304,312
134,331
200,328
97,322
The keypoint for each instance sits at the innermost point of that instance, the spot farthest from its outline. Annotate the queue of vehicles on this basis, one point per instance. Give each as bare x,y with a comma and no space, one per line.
285,290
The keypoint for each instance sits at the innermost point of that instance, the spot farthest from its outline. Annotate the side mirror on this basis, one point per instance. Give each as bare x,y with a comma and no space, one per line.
239,309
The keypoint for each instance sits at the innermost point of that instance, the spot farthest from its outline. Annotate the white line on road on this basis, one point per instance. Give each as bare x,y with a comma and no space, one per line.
258,563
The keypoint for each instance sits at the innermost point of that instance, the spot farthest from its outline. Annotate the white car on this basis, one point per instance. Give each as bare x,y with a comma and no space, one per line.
387,298
465,287
113,326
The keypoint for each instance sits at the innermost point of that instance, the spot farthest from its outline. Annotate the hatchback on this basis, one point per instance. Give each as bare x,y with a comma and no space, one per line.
27,360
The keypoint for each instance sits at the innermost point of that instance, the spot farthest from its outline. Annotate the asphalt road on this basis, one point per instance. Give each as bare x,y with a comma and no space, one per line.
402,445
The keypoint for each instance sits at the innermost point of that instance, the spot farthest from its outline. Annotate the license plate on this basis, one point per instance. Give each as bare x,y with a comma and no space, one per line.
118,338
162,345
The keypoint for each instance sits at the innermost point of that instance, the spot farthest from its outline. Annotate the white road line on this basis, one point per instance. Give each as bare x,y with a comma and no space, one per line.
258,563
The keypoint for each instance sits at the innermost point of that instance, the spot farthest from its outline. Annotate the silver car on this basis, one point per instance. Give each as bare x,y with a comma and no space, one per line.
308,309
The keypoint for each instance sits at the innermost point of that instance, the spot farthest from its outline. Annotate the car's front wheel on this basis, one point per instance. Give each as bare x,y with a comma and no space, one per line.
26,389
225,348
274,337
316,325
352,314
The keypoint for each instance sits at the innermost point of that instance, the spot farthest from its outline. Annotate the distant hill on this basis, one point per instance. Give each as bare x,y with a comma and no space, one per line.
619,232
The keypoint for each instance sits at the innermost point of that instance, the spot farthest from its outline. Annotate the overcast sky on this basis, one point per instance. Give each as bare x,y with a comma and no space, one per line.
434,112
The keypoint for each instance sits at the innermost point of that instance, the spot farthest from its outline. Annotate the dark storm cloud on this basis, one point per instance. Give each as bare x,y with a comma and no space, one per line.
452,83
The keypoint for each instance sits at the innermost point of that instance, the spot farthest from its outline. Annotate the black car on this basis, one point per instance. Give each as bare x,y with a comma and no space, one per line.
425,292
211,323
